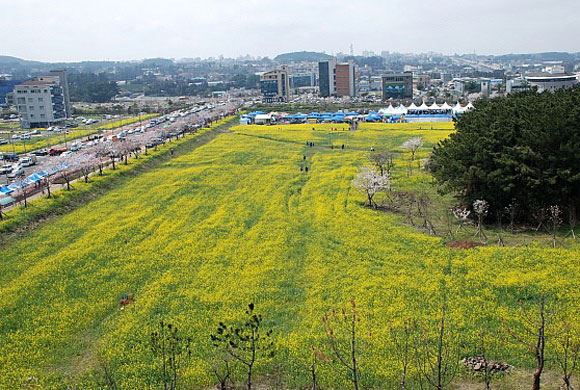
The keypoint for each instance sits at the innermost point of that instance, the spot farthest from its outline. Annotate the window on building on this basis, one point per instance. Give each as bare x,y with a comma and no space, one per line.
42,116
31,116
41,108
30,100
31,108
40,100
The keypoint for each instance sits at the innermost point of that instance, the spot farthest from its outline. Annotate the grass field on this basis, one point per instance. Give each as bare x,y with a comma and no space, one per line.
48,139
235,221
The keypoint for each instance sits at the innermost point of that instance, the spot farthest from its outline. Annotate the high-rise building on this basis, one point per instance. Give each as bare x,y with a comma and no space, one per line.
345,80
327,77
42,101
336,79
275,85
398,86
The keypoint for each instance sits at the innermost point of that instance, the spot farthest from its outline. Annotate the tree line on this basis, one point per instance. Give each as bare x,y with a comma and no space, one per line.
519,153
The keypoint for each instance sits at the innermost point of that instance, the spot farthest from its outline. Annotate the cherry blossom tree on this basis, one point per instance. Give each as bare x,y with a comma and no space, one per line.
371,183
412,145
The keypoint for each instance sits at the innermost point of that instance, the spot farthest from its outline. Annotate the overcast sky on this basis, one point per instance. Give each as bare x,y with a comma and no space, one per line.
73,30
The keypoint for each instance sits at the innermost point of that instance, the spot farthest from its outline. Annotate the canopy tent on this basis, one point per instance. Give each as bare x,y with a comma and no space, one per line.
412,107
387,111
458,108
402,110
469,107
434,107
445,106
423,106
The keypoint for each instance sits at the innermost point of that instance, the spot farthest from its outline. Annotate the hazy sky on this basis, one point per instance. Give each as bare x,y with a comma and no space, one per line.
72,30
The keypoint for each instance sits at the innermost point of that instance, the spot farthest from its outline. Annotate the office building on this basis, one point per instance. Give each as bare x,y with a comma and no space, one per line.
327,78
302,80
345,80
275,86
398,86
42,101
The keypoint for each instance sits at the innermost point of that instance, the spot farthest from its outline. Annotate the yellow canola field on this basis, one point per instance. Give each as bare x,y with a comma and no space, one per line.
236,221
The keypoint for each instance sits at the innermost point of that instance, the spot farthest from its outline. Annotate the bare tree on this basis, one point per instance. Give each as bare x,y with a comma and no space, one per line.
437,354
341,332
403,341
423,203
172,349
371,183
245,341
566,340
531,333
555,220
383,162
222,370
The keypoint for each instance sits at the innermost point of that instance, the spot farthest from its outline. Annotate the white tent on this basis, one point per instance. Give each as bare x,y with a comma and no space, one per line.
434,107
469,107
423,106
401,110
387,111
458,109
412,107
445,106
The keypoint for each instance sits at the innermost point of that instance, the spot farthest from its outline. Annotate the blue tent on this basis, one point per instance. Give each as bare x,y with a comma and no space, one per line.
5,190
35,178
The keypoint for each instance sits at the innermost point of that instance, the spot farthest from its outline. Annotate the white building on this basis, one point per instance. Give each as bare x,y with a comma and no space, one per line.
43,101
552,82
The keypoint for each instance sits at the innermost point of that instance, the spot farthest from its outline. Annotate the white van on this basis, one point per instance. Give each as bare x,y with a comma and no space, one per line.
28,161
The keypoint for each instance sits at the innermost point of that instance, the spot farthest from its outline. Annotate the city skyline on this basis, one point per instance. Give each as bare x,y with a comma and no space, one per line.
134,30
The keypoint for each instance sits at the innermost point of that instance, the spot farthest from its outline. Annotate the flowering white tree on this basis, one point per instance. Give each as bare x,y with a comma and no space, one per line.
105,150
371,183
480,208
412,145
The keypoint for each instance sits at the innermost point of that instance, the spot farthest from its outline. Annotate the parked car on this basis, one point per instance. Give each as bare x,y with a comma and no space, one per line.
3,141
5,169
17,171
10,157
56,151
40,152
75,147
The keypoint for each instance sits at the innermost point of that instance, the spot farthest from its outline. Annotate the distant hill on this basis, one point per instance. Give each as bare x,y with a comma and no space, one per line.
548,56
14,61
302,56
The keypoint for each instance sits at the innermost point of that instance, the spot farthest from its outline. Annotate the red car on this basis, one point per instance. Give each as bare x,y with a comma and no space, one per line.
56,151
